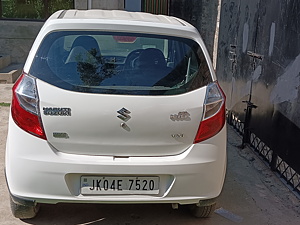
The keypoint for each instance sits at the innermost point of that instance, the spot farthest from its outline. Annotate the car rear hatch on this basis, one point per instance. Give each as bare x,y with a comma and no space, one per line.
120,94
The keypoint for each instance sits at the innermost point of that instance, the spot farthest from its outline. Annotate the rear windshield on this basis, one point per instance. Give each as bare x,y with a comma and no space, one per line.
120,63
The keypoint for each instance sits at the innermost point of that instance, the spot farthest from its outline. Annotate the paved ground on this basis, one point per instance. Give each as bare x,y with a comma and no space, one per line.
252,194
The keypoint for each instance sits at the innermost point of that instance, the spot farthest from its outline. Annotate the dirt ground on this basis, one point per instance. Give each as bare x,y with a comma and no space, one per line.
252,194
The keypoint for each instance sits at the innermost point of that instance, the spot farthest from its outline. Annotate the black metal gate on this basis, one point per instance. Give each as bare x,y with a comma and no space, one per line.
156,6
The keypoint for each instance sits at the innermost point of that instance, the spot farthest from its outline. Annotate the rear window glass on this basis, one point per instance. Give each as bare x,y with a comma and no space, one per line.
120,63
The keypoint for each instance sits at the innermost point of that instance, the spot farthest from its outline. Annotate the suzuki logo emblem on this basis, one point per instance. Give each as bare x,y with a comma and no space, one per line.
124,114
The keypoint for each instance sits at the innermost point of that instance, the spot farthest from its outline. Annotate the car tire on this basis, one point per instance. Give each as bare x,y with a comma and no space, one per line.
202,211
24,211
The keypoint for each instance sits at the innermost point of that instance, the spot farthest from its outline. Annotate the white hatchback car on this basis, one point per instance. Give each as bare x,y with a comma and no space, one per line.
116,107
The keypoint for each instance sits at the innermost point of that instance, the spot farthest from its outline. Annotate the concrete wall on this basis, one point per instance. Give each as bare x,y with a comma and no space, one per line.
108,4
16,38
202,14
99,4
259,60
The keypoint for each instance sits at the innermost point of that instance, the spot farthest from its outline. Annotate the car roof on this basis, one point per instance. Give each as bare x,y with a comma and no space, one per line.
119,15
119,21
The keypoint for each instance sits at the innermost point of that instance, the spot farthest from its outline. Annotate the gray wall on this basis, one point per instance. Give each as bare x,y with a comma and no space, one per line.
99,4
271,30
16,38
202,14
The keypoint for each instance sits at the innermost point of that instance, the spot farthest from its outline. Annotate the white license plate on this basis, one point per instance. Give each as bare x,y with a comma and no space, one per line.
96,185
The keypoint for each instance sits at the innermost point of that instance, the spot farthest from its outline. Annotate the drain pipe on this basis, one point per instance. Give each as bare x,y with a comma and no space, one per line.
89,4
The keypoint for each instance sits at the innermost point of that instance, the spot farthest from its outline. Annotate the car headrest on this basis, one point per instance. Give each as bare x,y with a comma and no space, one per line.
86,42
151,58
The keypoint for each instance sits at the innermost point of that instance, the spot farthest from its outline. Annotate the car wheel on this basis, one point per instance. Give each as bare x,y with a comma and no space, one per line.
202,211
24,211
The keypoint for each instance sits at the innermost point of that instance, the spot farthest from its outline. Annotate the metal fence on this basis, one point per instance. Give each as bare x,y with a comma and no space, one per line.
289,176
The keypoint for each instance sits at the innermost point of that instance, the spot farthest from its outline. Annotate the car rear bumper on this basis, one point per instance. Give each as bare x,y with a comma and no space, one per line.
35,171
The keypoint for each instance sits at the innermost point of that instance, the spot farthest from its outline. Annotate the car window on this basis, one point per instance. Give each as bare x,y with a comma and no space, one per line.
120,63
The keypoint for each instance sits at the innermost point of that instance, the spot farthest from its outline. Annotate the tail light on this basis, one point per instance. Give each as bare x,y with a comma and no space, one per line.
25,106
214,113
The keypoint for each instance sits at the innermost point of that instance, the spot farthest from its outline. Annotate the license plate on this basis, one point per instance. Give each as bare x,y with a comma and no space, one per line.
96,185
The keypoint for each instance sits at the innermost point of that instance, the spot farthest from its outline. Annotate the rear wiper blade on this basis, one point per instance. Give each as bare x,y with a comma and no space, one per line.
143,88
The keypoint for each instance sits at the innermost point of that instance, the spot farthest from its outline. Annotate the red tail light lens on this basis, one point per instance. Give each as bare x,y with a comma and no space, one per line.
25,110
214,113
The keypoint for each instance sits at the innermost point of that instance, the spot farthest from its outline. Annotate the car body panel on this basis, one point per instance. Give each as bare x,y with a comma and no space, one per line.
94,128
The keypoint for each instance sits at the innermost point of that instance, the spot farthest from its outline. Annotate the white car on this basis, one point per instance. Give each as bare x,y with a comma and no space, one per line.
116,107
